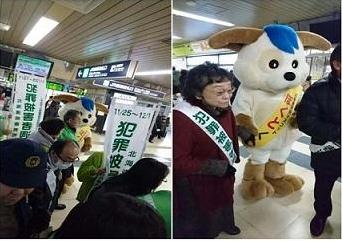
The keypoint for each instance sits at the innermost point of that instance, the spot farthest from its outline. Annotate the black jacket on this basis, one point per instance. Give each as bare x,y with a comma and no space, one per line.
32,214
319,116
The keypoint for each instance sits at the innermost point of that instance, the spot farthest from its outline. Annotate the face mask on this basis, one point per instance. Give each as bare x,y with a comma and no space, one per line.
63,165
57,163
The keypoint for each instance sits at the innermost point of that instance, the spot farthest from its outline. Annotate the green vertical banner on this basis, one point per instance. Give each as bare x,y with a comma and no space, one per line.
126,135
28,105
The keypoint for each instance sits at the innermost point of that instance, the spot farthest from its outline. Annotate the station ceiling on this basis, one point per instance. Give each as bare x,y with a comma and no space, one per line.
96,31
248,13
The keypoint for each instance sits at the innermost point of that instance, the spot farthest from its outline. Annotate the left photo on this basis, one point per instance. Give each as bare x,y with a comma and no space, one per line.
85,119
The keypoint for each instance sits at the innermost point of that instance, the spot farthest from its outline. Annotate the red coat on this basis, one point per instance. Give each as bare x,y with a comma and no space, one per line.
191,149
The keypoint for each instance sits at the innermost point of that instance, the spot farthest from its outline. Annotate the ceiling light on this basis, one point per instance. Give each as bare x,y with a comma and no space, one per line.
4,27
155,72
201,18
176,37
42,28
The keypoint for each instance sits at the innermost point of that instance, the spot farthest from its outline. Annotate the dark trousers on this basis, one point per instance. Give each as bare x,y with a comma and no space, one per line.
152,136
66,173
324,184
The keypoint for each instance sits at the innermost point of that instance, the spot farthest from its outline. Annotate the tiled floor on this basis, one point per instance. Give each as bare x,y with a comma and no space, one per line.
283,218
277,218
288,217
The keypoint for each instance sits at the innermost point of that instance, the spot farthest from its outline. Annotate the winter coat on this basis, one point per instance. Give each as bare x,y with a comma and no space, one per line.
319,116
43,138
86,174
196,189
42,197
49,193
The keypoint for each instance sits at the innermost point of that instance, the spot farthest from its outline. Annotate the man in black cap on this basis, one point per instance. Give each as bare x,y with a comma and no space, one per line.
23,167
319,116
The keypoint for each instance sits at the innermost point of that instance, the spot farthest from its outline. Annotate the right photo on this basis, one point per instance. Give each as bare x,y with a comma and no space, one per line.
256,119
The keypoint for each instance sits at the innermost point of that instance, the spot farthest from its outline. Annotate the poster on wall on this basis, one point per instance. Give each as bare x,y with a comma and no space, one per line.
28,105
126,135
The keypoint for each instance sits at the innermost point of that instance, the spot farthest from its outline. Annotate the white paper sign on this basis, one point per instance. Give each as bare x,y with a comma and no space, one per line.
126,135
28,105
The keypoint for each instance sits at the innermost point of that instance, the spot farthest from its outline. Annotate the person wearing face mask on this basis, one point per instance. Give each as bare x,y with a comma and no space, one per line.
46,135
205,146
23,168
60,156
63,153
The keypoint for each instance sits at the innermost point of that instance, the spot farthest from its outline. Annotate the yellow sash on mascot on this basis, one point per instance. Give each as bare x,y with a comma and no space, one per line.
279,119
82,133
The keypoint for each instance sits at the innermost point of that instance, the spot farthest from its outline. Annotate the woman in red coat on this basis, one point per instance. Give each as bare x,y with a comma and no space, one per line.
205,146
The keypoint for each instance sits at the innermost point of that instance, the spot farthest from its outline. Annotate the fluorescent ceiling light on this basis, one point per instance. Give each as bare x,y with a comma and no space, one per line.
42,28
4,27
175,37
155,72
201,18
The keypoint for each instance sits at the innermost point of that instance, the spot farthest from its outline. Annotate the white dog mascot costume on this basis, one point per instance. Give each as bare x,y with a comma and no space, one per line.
271,67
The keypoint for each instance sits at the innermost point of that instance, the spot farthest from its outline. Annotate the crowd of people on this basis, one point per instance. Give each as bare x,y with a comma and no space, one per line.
35,170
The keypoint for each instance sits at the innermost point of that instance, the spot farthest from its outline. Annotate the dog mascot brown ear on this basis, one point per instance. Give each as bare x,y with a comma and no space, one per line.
101,107
236,38
66,98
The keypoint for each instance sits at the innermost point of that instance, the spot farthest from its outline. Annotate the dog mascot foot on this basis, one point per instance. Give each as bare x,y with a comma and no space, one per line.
282,183
254,186
87,145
